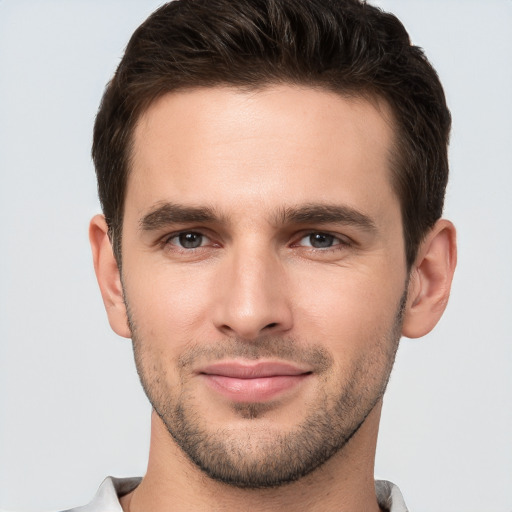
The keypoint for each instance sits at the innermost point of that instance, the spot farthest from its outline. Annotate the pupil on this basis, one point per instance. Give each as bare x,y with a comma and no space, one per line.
190,240
320,240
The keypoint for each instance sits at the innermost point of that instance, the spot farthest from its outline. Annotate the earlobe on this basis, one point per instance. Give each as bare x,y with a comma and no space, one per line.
430,280
107,274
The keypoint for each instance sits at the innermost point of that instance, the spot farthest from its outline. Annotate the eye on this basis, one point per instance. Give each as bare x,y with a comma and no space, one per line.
188,240
320,240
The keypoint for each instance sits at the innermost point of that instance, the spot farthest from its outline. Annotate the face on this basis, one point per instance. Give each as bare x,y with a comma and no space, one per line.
264,274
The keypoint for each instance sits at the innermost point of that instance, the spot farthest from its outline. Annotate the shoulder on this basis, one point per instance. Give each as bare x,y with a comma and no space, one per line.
389,496
108,494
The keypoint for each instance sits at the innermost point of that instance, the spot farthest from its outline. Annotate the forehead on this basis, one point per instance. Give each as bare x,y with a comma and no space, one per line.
276,146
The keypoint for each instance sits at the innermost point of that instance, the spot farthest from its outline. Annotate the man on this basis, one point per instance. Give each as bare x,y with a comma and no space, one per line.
272,176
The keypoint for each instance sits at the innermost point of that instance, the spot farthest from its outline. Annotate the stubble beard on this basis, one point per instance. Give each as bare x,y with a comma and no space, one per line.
265,457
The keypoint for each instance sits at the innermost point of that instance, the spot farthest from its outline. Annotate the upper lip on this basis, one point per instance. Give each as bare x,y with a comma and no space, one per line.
252,370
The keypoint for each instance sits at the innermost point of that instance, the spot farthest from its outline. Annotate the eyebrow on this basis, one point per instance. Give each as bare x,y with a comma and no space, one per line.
166,213
326,214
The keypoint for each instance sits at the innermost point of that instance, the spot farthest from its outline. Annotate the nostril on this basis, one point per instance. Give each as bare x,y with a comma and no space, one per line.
270,326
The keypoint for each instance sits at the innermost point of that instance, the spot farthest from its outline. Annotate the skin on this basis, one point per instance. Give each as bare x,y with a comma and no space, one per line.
256,288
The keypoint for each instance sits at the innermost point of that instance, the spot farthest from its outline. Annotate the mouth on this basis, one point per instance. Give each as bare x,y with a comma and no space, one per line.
241,381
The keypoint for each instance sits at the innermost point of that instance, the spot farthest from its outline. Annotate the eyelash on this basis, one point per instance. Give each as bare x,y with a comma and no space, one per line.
339,242
167,241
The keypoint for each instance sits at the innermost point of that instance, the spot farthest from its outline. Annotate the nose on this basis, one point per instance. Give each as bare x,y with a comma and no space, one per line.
252,297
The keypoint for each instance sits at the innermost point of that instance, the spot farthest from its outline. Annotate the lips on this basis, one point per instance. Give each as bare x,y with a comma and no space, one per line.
253,382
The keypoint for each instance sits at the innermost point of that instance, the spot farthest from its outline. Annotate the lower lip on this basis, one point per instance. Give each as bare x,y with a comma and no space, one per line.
255,389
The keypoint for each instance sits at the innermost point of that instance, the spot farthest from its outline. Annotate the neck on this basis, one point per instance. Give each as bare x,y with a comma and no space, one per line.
344,483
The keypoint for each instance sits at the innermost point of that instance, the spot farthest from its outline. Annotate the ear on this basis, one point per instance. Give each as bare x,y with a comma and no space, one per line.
430,280
107,274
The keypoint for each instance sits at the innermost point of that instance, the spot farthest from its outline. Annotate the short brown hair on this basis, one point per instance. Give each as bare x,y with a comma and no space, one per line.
346,46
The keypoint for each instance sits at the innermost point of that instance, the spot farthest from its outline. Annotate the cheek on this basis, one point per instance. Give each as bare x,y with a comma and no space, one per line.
168,303
347,309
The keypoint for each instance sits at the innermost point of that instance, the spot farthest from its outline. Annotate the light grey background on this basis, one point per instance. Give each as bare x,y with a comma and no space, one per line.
71,408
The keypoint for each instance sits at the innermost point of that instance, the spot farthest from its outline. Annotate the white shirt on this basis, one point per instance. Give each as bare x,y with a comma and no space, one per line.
107,498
